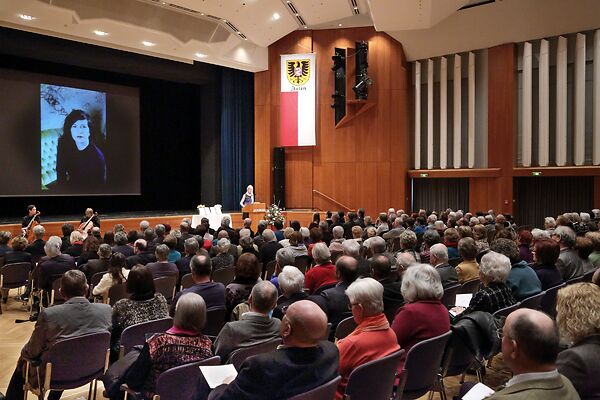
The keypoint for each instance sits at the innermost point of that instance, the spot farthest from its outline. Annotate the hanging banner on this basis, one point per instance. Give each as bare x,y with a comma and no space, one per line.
298,100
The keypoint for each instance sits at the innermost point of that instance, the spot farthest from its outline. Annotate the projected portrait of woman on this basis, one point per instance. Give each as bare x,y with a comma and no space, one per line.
79,162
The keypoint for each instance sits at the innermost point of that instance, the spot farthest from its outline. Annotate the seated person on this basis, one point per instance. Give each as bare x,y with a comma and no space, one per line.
52,265
184,343
522,279
291,283
162,266
17,253
98,265
438,258
76,247
76,317
423,316
36,247
190,247
254,327
89,250
5,237
121,244
223,259
323,273
569,263
529,348
171,242
381,271
468,269
143,255
213,293
247,274
372,339
545,256
304,362
117,274
143,304
493,294
578,323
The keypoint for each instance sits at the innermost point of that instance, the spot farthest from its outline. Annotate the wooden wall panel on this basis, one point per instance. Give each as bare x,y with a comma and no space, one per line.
351,164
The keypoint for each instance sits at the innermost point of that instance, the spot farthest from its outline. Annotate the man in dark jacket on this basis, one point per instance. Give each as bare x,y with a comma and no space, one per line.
52,265
381,270
142,254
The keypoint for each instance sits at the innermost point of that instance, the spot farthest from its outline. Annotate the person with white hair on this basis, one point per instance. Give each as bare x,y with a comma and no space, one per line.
323,273
569,263
226,226
438,258
269,248
494,294
423,316
352,248
54,264
549,224
291,284
223,259
372,338
76,248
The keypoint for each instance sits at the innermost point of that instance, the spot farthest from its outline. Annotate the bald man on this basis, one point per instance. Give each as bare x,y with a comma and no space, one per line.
302,363
529,348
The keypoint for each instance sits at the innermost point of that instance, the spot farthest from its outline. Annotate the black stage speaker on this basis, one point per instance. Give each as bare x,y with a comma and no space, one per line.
279,176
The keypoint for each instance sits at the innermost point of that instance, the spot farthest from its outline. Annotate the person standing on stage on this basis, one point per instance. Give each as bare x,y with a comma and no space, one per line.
88,214
247,198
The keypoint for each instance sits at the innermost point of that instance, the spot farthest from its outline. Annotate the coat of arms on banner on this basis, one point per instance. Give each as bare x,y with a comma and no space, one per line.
298,71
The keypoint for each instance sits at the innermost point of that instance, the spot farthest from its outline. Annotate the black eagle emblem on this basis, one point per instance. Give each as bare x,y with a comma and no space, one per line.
298,71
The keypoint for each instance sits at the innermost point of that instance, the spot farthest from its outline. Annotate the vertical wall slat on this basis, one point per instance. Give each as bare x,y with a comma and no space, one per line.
544,105
457,108
579,100
561,102
443,112
596,140
526,112
429,114
417,115
471,113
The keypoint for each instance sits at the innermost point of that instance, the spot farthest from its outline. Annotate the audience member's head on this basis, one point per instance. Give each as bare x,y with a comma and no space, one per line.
140,283
18,243
140,245
347,269
201,266
191,246
247,267
578,311
303,325
268,235
421,282
366,298
121,238
104,251
296,239
584,247
162,252
52,246
506,247
263,297
494,268
321,254
524,238
144,225
438,254
108,238
75,237
223,245
291,281
39,232
381,267
403,261
565,236
376,245
467,248
73,284
190,313
283,258
351,248
149,235
66,229
408,240
5,237
170,241
546,252
530,342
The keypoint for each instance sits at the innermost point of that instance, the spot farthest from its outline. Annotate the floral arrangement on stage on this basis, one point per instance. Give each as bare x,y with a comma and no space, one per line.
200,206
274,214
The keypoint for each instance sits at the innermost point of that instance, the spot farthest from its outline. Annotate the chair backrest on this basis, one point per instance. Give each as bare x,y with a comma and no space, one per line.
457,356
238,356
534,302
224,275
324,392
136,334
449,297
587,277
548,304
270,270
215,319
77,360
15,275
55,296
165,285
424,360
178,382
374,380
116,293
302,263
186,281
577,279
471,286
503,312
345,327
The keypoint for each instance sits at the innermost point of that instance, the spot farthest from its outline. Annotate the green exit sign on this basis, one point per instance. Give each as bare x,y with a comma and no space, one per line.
424,175
536,173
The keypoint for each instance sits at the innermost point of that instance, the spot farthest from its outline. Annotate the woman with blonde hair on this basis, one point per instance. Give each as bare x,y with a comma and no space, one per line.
578,320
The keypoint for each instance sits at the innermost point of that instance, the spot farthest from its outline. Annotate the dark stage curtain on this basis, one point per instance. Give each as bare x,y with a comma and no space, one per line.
237,136
440,194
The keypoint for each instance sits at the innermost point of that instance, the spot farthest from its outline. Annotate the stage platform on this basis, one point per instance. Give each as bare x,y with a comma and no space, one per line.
131,220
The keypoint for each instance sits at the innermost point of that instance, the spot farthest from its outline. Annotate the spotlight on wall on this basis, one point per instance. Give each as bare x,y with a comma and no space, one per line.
338,62
362,78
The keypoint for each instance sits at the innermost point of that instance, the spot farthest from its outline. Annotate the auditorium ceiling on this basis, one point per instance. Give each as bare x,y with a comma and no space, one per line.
237,33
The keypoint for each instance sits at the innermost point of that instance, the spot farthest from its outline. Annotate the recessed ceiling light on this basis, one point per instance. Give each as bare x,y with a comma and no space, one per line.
276,16
202,14
356,8
201,55
339,24
305,27
26,17
225,20
148,44
100,33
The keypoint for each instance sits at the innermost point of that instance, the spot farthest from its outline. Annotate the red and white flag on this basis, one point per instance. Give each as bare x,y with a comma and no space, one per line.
298,100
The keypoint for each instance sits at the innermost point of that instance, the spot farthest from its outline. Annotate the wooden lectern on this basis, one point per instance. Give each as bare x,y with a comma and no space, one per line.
256,212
